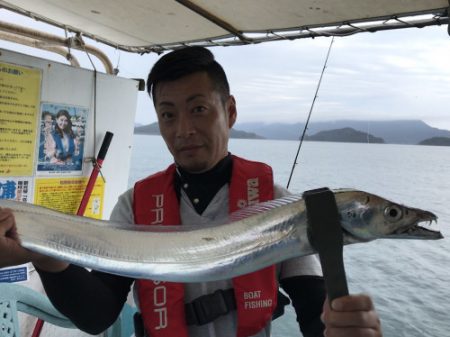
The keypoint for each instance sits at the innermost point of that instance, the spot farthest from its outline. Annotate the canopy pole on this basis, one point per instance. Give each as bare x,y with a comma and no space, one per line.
47,38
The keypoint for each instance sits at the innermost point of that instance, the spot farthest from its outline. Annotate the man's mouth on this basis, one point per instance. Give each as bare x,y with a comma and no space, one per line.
189,149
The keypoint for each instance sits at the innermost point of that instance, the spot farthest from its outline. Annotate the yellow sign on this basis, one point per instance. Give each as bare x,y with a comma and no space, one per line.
65,194
19,105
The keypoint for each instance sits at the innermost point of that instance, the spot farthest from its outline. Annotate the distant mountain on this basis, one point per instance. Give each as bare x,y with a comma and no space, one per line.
347,135
436,141
149,129
244,135
153,129
393,132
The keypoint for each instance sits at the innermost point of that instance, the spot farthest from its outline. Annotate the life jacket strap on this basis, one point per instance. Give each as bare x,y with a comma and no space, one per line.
207,308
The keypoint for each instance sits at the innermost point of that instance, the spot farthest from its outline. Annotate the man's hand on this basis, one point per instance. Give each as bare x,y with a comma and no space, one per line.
13,254
351,316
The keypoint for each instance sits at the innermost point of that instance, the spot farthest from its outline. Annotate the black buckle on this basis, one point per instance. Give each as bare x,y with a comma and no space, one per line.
207,308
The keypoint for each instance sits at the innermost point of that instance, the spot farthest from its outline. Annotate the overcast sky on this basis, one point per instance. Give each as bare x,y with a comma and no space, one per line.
402,74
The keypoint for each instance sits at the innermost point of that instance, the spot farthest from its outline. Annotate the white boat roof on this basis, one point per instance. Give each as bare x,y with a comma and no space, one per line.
156,25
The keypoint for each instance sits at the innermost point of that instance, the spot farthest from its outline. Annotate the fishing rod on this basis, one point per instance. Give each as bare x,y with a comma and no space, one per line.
324,227
97,165
309,114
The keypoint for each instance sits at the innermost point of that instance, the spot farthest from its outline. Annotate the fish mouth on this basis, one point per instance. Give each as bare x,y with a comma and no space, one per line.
417,230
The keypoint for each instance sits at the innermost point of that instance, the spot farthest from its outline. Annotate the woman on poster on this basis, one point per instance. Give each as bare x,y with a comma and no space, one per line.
63,146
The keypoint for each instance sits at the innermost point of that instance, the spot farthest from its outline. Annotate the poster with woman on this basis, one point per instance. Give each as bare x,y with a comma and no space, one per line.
62,138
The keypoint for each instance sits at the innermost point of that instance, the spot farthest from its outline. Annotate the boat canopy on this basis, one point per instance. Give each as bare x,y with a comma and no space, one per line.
157,25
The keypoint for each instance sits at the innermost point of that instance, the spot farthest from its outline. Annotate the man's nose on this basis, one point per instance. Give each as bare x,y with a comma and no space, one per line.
185,125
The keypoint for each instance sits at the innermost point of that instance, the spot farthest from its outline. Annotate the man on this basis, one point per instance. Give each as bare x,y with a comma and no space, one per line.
46,140
195,113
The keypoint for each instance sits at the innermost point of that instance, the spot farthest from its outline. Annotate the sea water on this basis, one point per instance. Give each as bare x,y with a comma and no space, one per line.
409,280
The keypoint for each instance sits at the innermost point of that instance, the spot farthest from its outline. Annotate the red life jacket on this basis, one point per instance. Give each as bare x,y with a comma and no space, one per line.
162,303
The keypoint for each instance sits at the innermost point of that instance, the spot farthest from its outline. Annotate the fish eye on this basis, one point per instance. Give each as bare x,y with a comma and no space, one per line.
393,213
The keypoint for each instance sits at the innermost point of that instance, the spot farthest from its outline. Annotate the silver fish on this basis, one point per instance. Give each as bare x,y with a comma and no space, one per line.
248,240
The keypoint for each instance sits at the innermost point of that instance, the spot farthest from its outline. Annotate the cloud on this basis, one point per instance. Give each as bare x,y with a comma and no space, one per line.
386,75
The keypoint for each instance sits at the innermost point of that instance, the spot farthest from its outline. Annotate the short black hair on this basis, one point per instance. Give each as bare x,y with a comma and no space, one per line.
47,113
186,61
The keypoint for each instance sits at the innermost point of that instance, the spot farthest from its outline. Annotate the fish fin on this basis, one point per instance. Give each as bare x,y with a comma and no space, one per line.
263,207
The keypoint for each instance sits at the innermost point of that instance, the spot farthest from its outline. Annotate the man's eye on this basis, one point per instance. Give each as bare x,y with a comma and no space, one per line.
166,115
199,109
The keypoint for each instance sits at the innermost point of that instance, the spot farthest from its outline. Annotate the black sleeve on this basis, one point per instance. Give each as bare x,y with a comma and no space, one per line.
91,300
307,294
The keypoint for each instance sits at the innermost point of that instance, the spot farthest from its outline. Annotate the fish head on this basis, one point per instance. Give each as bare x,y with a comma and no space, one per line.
366,217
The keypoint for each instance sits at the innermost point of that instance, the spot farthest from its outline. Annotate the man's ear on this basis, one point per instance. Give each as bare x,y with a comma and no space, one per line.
231,110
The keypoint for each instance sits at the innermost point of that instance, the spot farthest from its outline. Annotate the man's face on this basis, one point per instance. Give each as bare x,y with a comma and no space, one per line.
48,122
193,121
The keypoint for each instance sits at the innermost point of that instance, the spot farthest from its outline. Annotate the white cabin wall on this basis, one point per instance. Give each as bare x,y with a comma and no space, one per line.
115,112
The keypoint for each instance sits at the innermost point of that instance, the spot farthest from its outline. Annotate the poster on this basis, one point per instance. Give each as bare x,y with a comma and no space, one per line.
14,274
61,139
19,106
65,194
18,189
